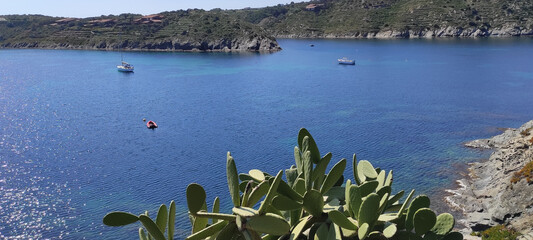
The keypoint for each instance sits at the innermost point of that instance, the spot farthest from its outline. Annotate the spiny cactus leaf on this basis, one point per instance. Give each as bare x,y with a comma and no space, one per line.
298,229
384,191
216,208
419,202
387,217
347,197
368,212
453,236
245,211
444,224
298,160
162,218
299,186
395,198
257,193
285,204
424,219
142,234
341,220
271,193
116,219
376,235
322,232
313,202
228,231
400,212
291,174
171,219
233,180
368,187
356,174
333,176
388,181
312,147
363,231
200,222
246,194
334,204
365,168
381,179
195,197
208,231
220,216
256,174
287,191
308,169
320,168
390,230
151,227
245,177
355,200
335,193
269,224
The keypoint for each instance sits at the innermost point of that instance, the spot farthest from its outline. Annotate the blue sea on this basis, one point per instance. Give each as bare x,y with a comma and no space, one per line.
73,144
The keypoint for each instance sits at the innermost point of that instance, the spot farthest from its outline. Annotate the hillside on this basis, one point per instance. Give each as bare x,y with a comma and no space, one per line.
395,18
191,30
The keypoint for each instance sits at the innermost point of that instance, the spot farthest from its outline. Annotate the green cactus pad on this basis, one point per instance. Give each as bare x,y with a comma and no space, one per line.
320,168
245,177
365,168
162,218
298,229
308,170
453,236
257,175
322,232
171,219
431,236
390,230
257,193
298,160
341,220
269,224
333,176
356,174
151,227
376,235
285,189
388,181
200,223
116,219
291,174
271,193
245,211
315,154
419,202
444,225
393,199
195,197
313,202
387,217
283,203
228,231
208,231
424,219
233,180
368,212
355,200
404,205
381,179
363,231
368,187
142,234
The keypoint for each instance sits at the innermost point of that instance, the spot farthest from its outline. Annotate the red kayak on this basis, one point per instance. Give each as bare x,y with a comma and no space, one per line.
151,124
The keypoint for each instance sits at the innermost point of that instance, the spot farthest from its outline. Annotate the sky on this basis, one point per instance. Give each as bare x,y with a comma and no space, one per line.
92,8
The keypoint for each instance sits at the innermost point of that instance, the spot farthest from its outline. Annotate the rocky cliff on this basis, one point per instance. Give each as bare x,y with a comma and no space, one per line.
494,193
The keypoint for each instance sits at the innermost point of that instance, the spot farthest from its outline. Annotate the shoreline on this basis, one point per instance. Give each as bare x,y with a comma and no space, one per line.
486,197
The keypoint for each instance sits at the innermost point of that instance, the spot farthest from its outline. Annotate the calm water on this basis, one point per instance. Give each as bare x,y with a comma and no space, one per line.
73,145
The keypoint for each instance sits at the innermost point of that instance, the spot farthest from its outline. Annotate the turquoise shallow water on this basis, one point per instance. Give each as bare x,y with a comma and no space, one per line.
73,145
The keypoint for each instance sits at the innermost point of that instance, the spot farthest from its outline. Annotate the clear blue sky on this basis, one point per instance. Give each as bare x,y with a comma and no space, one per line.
91,8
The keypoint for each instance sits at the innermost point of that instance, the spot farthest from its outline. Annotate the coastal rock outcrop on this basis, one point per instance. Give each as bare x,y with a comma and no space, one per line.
488,197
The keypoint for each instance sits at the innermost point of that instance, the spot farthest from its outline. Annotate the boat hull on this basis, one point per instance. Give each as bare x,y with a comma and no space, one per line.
123,69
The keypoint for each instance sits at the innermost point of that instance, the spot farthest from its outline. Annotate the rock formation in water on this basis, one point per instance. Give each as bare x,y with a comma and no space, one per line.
489,197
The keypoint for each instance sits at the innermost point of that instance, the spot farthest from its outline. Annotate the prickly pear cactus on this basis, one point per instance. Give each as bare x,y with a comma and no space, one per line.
311,204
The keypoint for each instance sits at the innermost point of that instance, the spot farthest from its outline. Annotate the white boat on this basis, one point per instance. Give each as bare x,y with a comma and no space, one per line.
125,67
346,61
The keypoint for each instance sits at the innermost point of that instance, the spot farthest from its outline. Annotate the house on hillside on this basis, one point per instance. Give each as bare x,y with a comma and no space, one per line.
154,18
105,22
314,7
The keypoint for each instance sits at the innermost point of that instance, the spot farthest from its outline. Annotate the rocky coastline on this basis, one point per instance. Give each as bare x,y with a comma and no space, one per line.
487,197
252,44
443,32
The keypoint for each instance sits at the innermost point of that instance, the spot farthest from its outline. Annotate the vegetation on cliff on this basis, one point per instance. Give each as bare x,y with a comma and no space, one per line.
178,30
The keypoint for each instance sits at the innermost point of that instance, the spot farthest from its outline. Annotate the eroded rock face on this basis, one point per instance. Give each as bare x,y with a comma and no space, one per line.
488,197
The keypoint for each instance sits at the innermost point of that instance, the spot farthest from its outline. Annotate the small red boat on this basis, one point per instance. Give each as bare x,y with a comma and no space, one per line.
151,124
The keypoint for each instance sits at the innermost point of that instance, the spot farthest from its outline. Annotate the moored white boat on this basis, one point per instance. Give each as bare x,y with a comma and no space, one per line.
346,61
125,67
